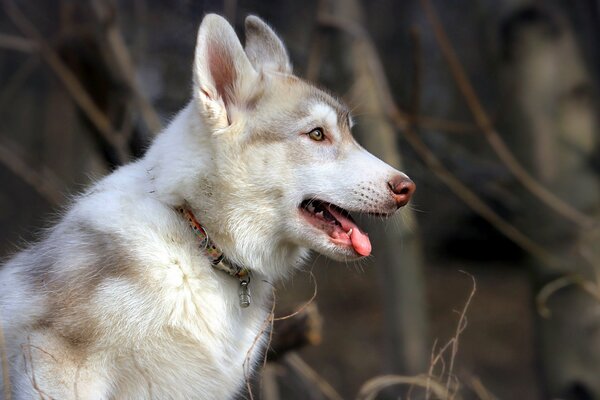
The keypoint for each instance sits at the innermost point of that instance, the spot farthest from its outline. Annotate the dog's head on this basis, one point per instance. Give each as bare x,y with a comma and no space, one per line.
285,171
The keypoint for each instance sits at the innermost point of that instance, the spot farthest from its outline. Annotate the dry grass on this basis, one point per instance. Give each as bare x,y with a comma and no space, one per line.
440,382
268,324
374,386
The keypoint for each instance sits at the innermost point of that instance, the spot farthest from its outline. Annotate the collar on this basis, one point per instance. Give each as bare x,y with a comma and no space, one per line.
217,258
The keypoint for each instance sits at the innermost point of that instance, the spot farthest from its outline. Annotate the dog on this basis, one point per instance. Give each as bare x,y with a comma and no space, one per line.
157,281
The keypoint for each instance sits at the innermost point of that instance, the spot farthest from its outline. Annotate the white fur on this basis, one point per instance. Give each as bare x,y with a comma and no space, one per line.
124,267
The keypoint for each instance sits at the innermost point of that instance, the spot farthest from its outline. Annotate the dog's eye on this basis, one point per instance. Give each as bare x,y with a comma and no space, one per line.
317,134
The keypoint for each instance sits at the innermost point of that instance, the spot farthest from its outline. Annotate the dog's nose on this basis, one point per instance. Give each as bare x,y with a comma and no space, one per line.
402,189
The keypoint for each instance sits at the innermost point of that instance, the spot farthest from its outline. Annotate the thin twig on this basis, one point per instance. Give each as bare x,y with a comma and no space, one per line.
435,359
268,322
554,286
272,321
17,43
315,61
306,304
430,372
472,200
301,367
43,395
460,327
38,348
417,76
45,183
438,357
17,79
69,80
246,366
443,125
495,140
105,14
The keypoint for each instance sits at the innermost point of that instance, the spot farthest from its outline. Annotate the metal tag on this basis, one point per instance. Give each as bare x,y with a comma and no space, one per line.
244,293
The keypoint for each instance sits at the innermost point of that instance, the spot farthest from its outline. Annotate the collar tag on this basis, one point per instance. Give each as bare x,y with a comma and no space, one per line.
244,292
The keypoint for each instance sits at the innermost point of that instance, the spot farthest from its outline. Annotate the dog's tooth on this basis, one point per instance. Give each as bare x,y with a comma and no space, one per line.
349,232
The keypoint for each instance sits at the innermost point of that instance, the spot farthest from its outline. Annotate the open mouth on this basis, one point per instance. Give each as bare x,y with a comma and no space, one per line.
337,224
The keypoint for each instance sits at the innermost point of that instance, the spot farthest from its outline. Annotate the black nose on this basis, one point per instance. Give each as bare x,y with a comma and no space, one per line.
402,189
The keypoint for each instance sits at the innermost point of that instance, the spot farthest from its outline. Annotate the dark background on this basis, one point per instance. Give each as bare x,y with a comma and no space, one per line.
492,110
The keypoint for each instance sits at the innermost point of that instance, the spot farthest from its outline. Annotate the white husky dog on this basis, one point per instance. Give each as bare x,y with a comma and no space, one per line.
142,290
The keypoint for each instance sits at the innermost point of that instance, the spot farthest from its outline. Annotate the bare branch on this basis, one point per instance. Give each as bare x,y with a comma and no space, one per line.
44,182
401,120
494,139
303,369
554,286
105,14
17,79
69,80
417,59
444,125
17,43
472,200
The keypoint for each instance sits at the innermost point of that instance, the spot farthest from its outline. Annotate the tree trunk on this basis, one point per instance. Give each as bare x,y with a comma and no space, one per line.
398,252
557,136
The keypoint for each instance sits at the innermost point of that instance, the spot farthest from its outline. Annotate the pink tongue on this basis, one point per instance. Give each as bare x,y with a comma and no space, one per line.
360,241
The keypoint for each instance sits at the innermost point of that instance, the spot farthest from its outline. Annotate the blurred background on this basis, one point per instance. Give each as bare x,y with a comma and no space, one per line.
484,287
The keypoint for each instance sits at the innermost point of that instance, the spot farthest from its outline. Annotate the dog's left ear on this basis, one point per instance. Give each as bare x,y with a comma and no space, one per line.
224,78
264,48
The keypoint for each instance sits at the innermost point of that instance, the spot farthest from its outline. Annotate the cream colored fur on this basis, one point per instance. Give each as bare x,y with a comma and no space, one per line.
118,302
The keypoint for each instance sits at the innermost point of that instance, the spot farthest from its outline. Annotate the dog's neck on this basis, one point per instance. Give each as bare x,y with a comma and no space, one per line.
182,167
217,258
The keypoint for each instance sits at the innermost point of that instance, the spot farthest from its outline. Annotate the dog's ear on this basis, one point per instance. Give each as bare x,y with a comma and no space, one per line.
223,75
264,48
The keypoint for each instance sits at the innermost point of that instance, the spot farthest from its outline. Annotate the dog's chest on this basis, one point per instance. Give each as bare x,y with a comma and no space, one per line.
205,341
181,367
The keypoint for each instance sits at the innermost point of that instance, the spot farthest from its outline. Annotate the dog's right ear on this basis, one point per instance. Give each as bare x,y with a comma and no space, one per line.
264,48
223,75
